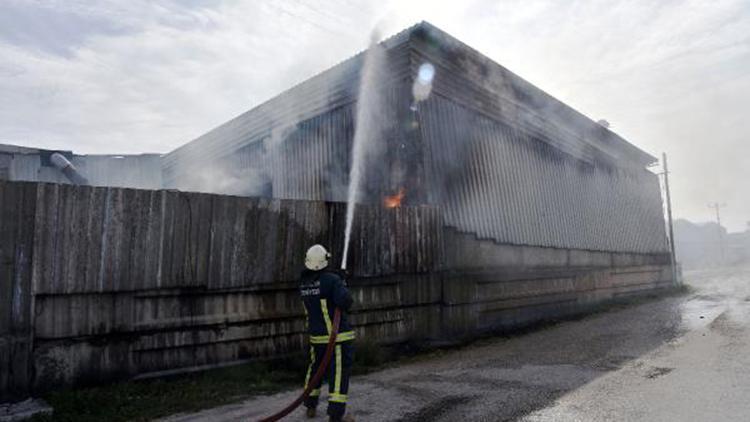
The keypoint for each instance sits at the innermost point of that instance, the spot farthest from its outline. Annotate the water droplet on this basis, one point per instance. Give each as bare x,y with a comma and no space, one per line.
426,73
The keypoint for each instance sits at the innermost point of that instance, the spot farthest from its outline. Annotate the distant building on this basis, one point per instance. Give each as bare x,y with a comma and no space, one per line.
36,165
738,248
702,245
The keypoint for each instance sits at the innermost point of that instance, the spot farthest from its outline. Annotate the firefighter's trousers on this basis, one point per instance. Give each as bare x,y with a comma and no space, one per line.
339,371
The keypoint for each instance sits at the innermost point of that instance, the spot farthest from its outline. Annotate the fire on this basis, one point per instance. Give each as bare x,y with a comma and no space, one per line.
394,201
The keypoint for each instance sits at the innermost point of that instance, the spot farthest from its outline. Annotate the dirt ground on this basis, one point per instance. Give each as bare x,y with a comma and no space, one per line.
683,358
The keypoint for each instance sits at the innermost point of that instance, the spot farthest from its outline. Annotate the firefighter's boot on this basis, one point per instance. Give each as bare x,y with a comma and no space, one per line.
310,412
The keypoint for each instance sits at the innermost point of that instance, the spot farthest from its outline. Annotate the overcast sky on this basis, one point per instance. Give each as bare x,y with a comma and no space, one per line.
147,76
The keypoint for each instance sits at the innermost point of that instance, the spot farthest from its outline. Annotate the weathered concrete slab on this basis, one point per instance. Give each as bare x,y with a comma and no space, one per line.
17,213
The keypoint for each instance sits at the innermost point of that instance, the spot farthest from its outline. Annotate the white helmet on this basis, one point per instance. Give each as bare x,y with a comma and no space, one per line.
317,258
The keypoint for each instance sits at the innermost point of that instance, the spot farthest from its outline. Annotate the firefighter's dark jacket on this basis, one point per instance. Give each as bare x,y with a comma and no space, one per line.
322,292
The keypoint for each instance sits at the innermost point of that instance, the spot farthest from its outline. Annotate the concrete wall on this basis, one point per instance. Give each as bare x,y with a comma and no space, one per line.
17,209
107,283
489,286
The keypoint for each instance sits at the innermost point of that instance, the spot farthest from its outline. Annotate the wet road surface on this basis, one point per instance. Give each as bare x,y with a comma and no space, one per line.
678,358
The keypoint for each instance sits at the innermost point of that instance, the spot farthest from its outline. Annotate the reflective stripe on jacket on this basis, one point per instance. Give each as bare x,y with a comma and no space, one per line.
322,292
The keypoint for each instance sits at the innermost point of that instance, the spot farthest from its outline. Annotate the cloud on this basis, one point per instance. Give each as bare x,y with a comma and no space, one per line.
175,74
112,76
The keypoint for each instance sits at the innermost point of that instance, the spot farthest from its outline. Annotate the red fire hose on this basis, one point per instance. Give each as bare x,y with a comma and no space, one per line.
318,375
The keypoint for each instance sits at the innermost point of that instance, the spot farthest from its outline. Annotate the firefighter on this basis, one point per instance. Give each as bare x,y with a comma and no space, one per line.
323,291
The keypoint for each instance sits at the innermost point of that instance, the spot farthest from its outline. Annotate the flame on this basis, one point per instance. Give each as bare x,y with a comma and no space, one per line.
394,201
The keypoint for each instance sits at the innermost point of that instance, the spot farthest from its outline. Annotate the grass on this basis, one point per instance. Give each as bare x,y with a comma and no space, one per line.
148,399
145,400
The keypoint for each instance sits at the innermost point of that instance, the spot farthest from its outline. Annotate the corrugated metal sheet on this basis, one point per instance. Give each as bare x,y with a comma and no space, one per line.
127,171
331,90
308,160
504,185
26,167
468,77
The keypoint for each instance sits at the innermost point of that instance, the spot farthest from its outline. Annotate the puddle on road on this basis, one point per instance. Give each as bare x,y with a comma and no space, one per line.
723,295
698,313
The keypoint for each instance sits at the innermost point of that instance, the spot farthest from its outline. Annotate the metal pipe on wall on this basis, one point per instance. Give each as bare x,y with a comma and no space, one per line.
68,169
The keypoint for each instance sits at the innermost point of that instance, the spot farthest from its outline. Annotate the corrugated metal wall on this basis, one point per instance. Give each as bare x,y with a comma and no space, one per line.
289,117
471,79
125,171
509,162
298,144
502,184
493,180
312,161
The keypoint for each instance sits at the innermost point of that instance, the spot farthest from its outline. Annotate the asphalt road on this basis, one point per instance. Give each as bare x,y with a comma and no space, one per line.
679,358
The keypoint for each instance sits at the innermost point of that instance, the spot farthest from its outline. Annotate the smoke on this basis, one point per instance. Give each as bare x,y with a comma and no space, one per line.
225,179
259,167
368,131
227,175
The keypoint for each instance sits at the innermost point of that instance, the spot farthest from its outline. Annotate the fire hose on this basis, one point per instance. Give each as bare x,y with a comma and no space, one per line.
318,375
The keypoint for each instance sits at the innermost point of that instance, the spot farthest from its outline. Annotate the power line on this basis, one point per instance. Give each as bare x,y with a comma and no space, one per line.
305,19
322,12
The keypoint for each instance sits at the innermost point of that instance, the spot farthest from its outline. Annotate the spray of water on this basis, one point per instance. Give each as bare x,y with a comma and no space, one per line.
367,131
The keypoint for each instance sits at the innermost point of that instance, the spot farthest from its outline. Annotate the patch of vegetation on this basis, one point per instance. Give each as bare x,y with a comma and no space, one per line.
684,289
145,400
148,399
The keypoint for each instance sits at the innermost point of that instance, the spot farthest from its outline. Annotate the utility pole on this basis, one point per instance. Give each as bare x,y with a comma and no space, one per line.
672,256
717,206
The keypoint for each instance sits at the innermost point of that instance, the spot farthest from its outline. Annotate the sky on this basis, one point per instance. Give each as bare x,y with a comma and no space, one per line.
138,76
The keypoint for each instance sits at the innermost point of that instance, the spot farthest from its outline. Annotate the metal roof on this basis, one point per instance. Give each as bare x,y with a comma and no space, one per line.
464,75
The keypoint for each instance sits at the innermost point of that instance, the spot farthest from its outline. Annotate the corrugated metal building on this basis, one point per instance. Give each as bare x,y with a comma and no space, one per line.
35,165
504,160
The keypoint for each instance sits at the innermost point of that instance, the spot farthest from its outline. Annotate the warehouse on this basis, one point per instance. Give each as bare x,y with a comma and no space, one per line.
502,158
